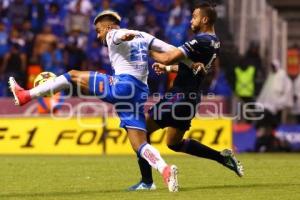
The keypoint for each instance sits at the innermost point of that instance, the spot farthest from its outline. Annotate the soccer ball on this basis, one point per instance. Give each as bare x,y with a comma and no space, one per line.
43,77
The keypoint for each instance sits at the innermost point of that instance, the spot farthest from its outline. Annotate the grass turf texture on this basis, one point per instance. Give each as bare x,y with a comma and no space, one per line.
268,176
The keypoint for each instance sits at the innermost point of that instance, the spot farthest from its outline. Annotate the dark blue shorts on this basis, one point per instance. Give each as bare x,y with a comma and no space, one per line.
176,109
127,93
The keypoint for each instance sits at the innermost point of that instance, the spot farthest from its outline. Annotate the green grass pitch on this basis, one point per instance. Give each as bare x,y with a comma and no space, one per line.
267,177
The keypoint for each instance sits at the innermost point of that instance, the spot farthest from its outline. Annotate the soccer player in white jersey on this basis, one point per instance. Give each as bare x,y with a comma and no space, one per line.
127,89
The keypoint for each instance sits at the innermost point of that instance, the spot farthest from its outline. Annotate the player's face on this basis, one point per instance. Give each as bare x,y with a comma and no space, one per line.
198,21
102,29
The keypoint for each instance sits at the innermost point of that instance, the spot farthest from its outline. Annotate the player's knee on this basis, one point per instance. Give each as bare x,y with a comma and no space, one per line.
175,147
74,75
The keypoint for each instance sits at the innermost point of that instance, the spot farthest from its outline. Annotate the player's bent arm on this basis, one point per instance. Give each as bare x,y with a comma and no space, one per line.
173,57
161,68
169,57
160,46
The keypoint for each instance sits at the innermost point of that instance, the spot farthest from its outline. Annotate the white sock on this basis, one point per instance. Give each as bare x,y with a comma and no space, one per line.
50,87
153,157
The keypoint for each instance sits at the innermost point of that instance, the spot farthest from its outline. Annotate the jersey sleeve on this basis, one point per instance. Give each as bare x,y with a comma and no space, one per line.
114,36
160,46
148,37
109,37
156,44
190,48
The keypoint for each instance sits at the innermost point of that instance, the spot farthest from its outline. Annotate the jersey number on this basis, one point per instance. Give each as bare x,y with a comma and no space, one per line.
139,52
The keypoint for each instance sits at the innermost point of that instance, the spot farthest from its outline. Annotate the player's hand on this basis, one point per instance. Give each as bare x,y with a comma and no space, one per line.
197,67
128,36
159,68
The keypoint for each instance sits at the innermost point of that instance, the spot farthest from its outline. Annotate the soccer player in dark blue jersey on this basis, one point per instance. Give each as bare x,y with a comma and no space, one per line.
185,94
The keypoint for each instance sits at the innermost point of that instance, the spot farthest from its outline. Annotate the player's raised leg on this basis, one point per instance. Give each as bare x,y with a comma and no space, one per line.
148,152
22,96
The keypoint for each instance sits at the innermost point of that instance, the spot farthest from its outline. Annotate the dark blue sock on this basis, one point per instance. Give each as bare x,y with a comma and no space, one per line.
195,148
145,168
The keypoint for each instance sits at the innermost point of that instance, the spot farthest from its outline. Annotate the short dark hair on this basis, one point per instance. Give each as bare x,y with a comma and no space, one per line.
208,10
108,18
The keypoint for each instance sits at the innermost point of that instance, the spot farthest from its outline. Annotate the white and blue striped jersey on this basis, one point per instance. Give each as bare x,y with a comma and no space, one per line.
129,57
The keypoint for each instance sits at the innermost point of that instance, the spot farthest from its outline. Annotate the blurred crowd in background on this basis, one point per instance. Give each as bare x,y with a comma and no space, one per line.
58,35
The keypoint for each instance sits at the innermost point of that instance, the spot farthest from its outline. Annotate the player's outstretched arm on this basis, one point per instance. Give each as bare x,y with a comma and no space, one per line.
162,50
161,68
169,57
159,45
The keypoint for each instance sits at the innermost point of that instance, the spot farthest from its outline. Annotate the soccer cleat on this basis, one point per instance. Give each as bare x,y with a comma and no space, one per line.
170,177
21,96
232,163
142,186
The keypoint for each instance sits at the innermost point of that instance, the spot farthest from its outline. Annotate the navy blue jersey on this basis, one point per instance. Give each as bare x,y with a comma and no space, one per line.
202,48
